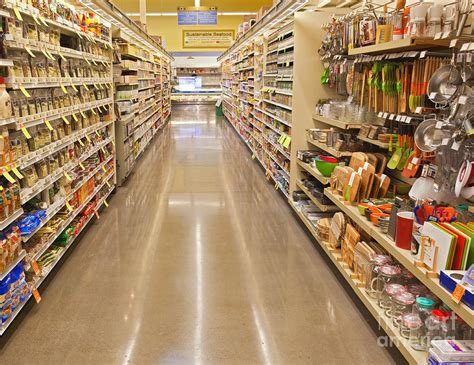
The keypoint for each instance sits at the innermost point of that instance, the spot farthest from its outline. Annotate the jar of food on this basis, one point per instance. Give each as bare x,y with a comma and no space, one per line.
387,274
385,300
417,289
402,302
372,271
410,327
423,307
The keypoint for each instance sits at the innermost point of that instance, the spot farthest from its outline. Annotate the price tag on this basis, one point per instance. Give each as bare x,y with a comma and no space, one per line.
439,125
75,117
106,204
17,173
108,184
81,143
99,109
453,42
423,54
408,119
403,118
85,87
36,295
391,116
445,35
81,165
95,86
287,142
456,146
35,267
88,139
458,293
63,88
45,54
66,175
62,57
104,169
380,115
464,47
97,215
85,59
97,133
65,120
50,55
79,34
445,142
8,177
42,20
418,110
95,63
433,95
385,115
68,206
23,90
26,133
30,52
17,14
103,150
83,115
438,35
253,157
462,99
48,124
93,111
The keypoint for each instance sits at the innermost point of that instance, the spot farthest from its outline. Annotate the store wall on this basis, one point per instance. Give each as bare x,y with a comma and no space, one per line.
172,33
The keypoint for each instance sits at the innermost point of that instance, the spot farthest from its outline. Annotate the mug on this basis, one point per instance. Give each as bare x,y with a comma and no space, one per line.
404,230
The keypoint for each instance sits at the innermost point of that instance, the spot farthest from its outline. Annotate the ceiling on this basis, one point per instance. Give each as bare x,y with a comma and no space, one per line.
168,6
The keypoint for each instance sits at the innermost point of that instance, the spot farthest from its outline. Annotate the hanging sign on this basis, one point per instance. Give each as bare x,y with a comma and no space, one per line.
208,38
202,15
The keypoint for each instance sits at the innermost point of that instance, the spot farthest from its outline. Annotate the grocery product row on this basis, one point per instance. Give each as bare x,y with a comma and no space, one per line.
62,106
371,129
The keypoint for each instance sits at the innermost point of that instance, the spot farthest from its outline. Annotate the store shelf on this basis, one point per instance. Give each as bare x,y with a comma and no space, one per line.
10,267
375,142
5,223
329,150
411,355
322,207
336,123
284,106
314,172
406,44
274,117
403,256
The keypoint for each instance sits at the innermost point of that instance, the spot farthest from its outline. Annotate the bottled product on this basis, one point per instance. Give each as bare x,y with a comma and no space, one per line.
434,20
5,101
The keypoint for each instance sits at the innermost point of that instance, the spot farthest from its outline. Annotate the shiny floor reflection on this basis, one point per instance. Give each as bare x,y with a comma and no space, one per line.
198,260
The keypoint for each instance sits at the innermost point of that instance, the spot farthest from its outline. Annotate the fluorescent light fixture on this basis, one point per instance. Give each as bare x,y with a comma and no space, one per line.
228,13
197,3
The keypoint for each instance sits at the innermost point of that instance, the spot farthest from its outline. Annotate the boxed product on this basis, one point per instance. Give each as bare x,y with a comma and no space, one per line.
450,278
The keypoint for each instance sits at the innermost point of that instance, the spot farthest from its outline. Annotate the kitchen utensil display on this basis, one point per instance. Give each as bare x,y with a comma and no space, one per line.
444,84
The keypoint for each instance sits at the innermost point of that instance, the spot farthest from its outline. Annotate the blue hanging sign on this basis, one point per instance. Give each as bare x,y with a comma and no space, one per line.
197,16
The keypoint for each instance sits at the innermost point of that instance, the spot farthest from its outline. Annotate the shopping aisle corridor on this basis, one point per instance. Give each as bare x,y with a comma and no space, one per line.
198,260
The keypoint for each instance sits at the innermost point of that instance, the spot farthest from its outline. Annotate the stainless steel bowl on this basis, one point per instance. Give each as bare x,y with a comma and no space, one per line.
444,84
428,138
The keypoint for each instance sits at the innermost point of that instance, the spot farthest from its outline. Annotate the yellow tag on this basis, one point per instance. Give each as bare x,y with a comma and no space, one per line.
95,86
85,87
75,117
63,88
44,52
107,85
458,293
88,139
8,177
35,267
68,206
80,142
106,204
42,20
66,175
62,57
83,115
276,186
82,166
48,124
35,19
79,34
37,295
85,59
29,52
103,150
23,90
113,143
65,120
26,133
253,157
97,215
17,14
93,111
104,169
17,173
99,108
97,132
108,184
287,141
95,63
74,87
50,55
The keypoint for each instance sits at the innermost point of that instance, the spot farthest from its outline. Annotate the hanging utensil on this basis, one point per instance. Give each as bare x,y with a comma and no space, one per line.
464,9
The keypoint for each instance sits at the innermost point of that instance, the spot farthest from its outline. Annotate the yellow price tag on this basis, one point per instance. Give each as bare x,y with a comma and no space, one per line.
97,215
75,117
95,63
287,142
67,176
95,86
9,177
93,111
35,19
106,204
85,59
88,139
99,108
29,52
74,87
104,169
26,133
79,34
97,132
42,20
68,206
83,115
23,90
48,124
108,184
113,143
50,55
62,57
65,120
17,173
80,142
85,87
44,52
17,14
63,88
82,166
103,150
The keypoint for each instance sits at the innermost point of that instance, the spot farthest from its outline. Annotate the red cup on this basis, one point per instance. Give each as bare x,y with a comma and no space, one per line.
404,230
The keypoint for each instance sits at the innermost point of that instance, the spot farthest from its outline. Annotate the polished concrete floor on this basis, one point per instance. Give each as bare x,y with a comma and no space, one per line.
198,260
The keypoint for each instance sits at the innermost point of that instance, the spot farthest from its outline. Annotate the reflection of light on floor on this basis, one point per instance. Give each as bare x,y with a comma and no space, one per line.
199,307
191,122
188,202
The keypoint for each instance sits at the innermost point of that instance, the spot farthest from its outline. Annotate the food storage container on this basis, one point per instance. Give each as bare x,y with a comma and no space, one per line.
402,302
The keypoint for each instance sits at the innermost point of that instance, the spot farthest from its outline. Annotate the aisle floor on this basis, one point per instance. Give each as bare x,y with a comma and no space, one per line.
198,260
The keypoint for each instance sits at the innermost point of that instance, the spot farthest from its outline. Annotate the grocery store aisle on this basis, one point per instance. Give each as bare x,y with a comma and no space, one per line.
198,260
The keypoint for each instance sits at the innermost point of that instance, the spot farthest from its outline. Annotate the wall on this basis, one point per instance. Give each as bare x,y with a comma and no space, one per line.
172,33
